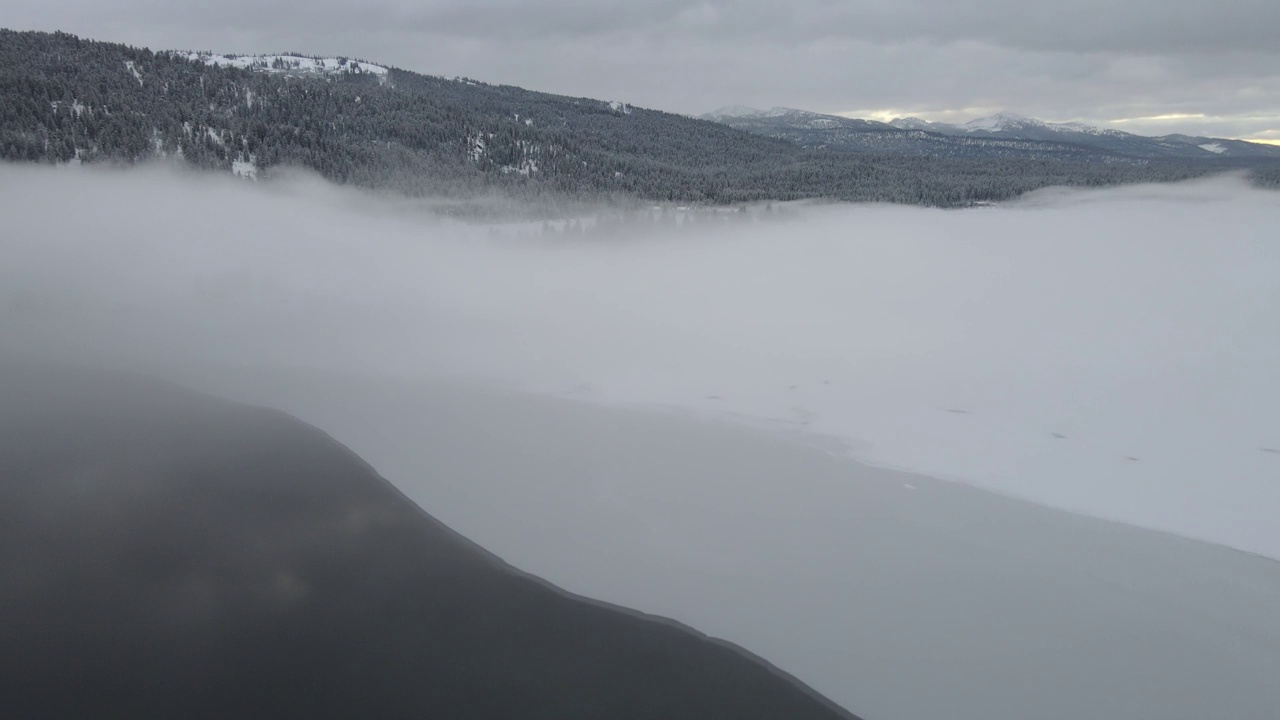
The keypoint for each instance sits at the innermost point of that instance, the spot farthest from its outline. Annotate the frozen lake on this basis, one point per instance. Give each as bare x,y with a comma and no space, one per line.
780,431
896,595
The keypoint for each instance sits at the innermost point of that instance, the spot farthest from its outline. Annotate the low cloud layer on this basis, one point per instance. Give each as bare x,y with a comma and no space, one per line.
1110,352
1093,61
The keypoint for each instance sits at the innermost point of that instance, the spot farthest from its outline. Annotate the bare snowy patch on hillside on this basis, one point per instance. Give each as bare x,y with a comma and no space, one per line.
288,64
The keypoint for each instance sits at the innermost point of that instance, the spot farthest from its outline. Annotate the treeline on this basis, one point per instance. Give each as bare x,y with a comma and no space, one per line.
64,99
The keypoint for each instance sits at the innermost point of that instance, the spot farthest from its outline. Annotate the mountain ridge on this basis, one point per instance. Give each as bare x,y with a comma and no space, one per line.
494,148
790,123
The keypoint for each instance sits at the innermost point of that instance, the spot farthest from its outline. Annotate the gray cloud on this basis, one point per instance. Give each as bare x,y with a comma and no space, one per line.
1149,26
1088,60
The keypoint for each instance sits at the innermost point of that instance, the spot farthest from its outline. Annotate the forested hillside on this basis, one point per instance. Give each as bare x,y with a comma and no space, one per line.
64,99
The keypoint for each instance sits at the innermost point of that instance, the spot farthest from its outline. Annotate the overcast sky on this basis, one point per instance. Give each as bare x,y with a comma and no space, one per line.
1147,66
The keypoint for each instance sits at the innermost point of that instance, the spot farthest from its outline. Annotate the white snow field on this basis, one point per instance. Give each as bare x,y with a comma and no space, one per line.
288,64
755,392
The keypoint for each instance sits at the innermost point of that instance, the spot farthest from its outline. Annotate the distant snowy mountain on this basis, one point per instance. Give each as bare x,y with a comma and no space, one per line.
1005,134
738,114
732,111
999,121
1004,122
912,123
807,128
910,136
1008,123
1015,126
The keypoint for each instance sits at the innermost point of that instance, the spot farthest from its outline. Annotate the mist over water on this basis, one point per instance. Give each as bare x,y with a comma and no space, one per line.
1111,352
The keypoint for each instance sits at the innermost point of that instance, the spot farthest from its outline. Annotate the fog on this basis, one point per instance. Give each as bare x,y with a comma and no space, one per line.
715,420
1110,352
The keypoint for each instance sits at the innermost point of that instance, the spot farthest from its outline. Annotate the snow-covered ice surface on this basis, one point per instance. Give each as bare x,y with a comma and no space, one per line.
1115,354
1096,358
1112,352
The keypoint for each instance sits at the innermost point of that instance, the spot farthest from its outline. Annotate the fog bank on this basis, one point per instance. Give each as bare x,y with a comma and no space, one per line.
1110,352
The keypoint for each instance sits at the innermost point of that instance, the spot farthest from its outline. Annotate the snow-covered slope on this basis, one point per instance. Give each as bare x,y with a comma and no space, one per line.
288,64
